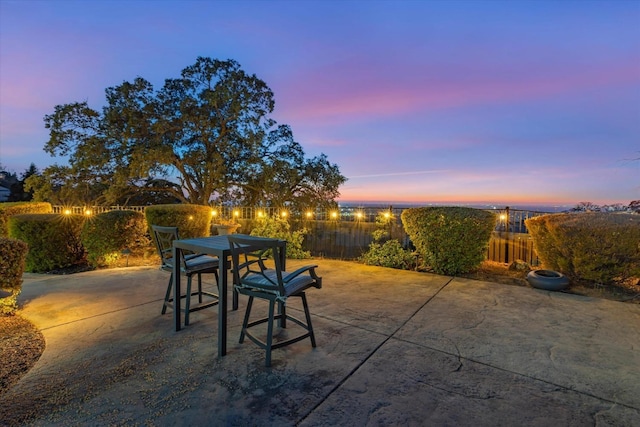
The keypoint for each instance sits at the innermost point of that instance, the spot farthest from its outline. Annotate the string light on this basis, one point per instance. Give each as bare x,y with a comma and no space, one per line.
355,215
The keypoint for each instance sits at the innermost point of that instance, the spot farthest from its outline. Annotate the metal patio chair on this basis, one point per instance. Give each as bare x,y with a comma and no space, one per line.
190,265
251,276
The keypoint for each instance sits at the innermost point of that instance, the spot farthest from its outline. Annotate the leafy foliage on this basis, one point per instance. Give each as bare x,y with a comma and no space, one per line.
385,251
9,180
12,262
600,247
64,185
16,208
54,240
209,129
452,240
279,228
106,235
191,220
389,254
634,206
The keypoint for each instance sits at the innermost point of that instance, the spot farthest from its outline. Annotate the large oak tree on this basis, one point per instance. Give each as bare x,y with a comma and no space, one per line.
209,131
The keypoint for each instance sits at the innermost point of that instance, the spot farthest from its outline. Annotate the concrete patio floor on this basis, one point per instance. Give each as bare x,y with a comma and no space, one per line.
394,348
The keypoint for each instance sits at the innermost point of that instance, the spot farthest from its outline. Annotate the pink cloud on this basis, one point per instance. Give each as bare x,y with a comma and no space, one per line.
363,91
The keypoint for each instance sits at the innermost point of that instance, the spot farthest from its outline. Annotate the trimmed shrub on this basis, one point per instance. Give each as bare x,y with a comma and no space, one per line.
53,239
278,228
191,220
13,254
452,240
16,208
545,243
596,246
107,234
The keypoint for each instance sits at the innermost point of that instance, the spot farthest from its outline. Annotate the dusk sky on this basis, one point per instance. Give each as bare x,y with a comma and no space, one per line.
503,102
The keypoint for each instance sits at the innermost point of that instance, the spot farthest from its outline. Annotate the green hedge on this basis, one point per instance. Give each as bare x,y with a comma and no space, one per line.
53,239
452,240
595,246
106,235
191,220
278,228
16,208
13,254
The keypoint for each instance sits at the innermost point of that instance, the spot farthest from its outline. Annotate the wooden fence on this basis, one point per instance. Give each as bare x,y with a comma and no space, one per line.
351,240
346,233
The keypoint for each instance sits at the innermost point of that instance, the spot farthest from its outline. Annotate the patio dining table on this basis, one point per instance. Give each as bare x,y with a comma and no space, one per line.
217,246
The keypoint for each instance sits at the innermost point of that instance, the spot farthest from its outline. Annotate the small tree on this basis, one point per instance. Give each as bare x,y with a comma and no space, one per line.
18,191
586,207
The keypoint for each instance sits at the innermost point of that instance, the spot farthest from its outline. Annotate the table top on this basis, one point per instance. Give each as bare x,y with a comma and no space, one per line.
218,244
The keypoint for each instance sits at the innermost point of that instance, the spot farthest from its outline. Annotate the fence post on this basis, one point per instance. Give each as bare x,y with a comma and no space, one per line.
506,240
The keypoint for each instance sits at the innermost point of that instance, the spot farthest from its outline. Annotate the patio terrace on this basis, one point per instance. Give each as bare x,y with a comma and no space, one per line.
394,348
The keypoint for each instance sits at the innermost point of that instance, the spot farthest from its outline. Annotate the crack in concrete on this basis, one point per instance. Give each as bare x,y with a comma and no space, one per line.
374,351
101,314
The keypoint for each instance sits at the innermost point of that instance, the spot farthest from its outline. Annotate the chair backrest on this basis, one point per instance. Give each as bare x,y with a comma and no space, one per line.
164,237
251,256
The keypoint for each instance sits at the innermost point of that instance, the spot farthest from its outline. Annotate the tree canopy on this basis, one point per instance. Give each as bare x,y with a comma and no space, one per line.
208,131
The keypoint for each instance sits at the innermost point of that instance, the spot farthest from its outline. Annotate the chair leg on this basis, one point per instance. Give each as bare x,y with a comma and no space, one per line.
282,312
308,316
187,304
167,296
200,288
272,304
246,319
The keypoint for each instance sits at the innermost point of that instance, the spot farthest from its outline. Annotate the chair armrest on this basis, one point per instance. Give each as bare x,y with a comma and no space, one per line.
310,268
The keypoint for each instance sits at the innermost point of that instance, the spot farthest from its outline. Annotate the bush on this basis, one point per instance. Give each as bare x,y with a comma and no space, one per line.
191,220
106,235
53,239
452,240
16,208
387,252
278,228
13,254
596,246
